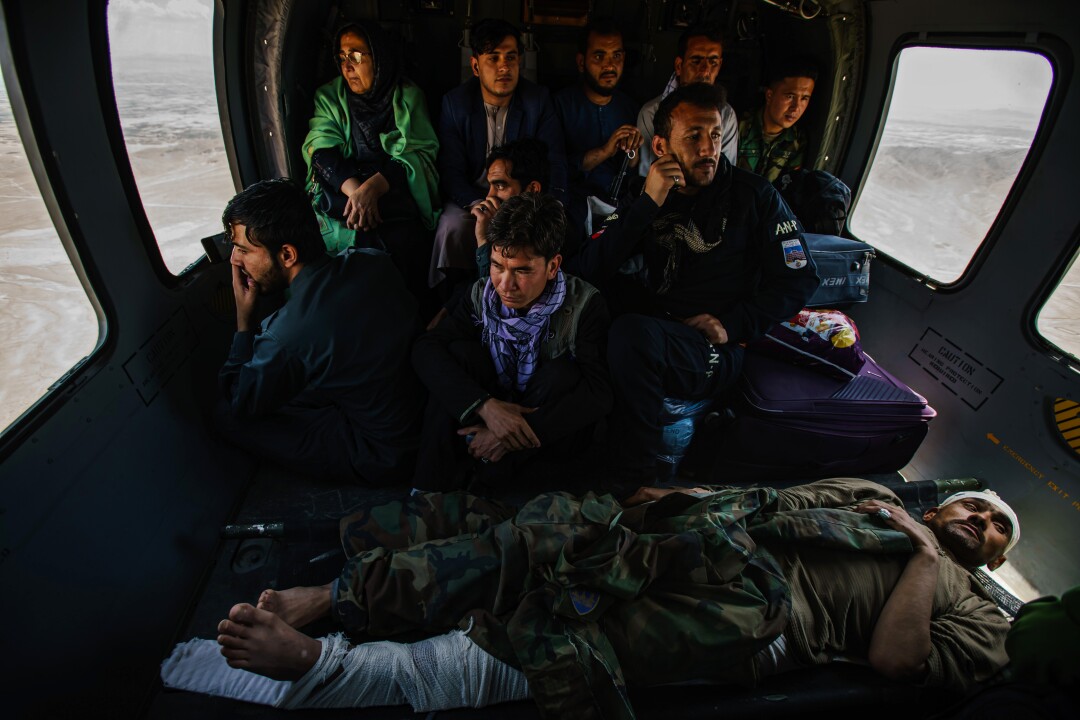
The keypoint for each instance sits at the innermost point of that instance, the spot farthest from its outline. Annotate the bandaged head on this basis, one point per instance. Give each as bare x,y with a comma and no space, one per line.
991,497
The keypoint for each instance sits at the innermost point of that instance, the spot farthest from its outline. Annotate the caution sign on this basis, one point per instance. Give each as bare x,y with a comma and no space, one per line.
960,373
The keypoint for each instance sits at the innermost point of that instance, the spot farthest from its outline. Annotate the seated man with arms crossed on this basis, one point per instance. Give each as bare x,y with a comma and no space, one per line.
323,384
519,364
587,595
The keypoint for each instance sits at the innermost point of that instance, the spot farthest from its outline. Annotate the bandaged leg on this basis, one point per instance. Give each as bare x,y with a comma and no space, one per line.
445,672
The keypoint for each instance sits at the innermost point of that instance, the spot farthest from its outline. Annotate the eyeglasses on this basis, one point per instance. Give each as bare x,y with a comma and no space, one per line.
355,57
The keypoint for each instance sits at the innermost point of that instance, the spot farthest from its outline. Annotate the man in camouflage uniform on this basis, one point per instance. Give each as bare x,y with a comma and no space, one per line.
586,595
770,141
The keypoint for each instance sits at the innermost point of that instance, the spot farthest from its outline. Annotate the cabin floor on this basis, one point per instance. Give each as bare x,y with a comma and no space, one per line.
311,554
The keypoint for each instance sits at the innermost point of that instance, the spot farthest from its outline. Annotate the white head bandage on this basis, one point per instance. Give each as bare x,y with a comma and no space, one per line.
991,497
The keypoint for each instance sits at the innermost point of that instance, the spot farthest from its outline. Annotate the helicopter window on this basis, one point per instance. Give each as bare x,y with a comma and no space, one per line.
42,296
163,75
958,127
1057,318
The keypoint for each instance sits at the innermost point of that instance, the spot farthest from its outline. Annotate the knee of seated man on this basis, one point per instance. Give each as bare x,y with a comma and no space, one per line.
635,336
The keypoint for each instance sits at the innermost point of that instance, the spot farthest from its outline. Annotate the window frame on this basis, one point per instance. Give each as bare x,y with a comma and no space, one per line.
19,85
1069,258
1030,43
200,263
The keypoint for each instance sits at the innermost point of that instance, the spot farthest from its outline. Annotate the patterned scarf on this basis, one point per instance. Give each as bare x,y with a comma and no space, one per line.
513,339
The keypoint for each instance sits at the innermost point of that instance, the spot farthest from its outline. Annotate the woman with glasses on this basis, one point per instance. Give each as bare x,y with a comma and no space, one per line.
371,153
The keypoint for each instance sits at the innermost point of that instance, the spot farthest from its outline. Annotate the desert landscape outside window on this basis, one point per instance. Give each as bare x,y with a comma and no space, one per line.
958,128
1059,318
40,294
163,76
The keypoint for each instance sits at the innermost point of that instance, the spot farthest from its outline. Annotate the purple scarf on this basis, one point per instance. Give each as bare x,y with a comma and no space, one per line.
513,339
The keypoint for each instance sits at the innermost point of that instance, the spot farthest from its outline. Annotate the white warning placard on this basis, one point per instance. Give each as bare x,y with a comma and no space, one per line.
959,372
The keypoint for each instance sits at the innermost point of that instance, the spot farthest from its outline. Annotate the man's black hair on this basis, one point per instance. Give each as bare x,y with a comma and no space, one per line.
793,66
534,222
699,95
276,213
488,34
528,161
710,32
602,27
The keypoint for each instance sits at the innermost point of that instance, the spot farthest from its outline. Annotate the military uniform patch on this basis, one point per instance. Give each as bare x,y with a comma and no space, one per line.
584,601
794,254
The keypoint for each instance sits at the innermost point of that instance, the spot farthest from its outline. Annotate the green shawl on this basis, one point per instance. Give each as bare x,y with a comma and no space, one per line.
411,142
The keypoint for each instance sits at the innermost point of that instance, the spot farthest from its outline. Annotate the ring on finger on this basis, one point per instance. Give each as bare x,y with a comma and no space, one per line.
883,514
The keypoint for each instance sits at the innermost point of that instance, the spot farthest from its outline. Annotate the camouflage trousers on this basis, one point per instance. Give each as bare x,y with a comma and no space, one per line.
581,594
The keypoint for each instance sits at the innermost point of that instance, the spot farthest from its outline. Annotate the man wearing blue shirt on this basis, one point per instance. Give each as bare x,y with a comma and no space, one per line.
597,118
322,384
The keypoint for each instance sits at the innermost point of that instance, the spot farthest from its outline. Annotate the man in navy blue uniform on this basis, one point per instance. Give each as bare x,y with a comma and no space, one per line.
494,108
323,384
704,260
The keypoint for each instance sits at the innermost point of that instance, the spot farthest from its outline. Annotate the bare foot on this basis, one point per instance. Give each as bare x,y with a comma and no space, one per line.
259,641
297,606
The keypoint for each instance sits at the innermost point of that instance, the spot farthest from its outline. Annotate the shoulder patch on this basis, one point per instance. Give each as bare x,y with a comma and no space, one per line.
794,254
584,601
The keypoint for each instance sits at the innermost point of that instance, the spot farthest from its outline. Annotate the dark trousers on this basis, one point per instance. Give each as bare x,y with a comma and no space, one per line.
652,358
318,442
444,463
409,244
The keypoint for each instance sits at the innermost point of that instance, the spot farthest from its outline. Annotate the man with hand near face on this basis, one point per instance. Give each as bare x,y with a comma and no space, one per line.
699,58
598,118
719,259
770,142
514,168
318,385
494,108
519,365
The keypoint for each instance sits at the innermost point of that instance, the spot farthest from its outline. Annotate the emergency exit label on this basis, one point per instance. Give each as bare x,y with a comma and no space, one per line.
958,372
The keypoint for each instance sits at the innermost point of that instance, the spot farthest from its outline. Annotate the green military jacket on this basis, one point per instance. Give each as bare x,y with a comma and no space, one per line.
769,159
675,590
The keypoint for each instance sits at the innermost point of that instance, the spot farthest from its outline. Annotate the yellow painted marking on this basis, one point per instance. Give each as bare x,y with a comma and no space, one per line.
1067,417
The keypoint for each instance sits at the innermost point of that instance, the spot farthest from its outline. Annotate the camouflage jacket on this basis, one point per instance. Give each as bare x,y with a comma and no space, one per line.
584,595
769,159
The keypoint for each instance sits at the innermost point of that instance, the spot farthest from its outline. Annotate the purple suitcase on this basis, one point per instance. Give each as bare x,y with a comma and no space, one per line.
792,422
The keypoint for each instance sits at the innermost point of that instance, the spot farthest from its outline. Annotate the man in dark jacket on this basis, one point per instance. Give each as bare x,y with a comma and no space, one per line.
321,385
519,364
494,108
704,260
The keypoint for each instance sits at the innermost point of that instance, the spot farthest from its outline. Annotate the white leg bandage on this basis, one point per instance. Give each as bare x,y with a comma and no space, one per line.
445,672
441,673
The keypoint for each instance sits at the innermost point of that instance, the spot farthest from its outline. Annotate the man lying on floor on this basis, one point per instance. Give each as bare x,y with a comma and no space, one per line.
579,597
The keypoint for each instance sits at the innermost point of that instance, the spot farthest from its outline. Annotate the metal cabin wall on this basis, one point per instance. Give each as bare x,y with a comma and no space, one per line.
112,492
1009,440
